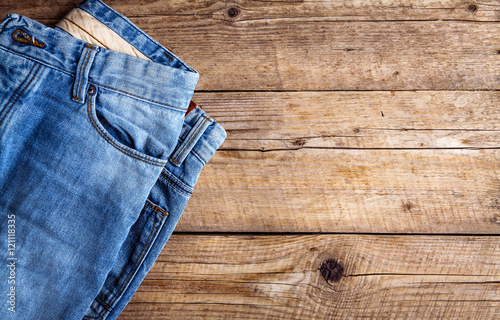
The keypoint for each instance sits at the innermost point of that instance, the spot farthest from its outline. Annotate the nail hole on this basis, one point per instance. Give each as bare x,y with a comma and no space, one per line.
472,8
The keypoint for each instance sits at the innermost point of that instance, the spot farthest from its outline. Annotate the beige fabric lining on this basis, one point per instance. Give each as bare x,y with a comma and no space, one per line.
82,25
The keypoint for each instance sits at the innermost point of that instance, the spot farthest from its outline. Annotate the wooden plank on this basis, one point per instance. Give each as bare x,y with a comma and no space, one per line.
350,10
292,50
357,119
322,277
322,171
299,54
338,190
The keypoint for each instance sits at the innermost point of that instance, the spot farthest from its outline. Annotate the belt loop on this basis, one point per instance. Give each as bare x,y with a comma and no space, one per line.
82,72
193,136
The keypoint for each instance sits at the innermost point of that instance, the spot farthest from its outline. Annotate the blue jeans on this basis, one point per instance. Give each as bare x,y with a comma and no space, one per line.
98,159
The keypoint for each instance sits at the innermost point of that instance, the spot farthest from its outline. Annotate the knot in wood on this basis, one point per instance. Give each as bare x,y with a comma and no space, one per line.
233,12
472,8
299,142
331,270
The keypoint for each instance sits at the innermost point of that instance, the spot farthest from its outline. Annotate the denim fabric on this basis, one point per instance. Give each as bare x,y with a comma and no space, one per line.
97,163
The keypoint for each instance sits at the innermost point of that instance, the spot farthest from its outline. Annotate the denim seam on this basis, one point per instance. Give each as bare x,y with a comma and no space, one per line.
88,317
191,139
116,295
36,60
133,95
6,22
20,93
156,208
81,28
187,195
79,77
93,82
199,157
16,91
114,144
102,303
129,23
82,70
167,175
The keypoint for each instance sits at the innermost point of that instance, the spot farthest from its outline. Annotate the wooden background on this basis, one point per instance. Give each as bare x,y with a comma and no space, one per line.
360,178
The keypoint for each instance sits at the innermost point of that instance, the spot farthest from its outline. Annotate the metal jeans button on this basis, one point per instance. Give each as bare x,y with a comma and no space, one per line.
91,91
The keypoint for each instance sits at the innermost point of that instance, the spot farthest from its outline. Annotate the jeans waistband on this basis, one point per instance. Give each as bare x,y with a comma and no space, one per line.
165,84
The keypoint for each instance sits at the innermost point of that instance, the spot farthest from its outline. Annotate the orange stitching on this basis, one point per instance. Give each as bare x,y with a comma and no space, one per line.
164,212
155,207
81,73
159,164
21,93
79,76
86,32
83,76
188,144
115,296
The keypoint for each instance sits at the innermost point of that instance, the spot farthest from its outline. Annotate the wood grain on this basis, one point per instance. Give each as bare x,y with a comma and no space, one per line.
314,190
330,162
294,49
342,117
268,121
299,54
350,10
321,277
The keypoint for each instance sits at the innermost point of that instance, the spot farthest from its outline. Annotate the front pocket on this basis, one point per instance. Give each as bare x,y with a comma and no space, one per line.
143,131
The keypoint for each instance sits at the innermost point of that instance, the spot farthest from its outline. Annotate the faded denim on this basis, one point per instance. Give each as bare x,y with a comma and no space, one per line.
97,163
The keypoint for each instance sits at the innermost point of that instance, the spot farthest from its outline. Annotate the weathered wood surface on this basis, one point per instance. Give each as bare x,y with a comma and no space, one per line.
269,121
342,116
333,163
321,45
322,277
315,190
350,10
